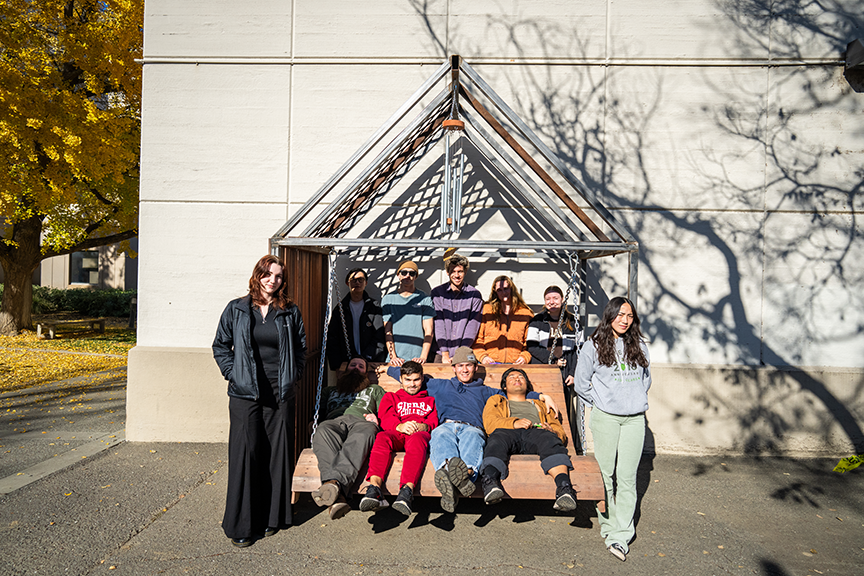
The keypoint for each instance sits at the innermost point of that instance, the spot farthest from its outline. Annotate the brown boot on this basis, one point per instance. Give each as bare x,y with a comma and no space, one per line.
327,494
339,508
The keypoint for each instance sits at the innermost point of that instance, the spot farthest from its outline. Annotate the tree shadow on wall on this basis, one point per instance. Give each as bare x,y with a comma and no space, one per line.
607,128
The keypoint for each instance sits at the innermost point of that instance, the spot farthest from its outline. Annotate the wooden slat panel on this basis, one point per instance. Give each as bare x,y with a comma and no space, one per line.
306,273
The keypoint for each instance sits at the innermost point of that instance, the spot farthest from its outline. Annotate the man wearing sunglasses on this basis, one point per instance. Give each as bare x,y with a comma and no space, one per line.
408,318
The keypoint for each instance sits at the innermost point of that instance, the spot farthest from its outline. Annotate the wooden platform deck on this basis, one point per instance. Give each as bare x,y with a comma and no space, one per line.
526,479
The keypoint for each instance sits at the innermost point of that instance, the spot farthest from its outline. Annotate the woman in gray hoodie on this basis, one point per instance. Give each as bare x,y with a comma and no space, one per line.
613,374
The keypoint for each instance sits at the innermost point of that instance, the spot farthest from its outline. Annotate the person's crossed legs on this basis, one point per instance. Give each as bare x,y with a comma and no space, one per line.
456,451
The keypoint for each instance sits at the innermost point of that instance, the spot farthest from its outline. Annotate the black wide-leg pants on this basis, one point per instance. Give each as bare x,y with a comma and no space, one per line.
260,442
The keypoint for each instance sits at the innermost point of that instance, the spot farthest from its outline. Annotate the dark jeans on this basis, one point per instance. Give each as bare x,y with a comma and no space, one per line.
503,442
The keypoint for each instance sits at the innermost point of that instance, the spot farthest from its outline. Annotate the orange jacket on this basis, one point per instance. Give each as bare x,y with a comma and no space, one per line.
496,415
504,342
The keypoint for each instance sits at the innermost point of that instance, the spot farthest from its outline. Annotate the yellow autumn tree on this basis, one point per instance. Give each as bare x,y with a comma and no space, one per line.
70,100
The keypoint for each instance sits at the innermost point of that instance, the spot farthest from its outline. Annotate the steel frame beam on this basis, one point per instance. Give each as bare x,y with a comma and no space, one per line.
549,204
428,114
338,229
369,187
544,150
542,245
516,185
390,164
544,176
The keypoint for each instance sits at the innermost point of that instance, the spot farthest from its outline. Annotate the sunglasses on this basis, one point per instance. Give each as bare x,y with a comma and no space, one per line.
410,273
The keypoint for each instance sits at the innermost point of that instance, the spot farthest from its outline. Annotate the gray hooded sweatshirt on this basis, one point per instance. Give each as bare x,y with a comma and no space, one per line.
621,390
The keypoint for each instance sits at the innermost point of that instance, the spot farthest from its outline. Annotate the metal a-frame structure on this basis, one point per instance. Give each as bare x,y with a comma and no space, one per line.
458,107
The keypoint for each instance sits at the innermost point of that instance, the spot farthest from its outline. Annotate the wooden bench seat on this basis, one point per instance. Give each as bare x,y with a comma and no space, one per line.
48,330
526,479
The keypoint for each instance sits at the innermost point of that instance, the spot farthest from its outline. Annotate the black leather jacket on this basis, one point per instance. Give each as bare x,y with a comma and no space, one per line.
232,349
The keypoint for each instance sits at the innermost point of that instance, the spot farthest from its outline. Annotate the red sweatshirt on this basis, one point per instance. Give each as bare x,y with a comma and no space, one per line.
397,407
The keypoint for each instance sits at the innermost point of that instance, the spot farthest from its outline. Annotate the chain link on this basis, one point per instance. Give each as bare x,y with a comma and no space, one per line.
344,325
562,317
332,263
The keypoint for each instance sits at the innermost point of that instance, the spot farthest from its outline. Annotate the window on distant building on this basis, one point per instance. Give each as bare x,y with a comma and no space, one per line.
84,267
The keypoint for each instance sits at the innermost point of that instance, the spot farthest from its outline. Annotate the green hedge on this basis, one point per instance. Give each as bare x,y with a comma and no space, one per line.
110,302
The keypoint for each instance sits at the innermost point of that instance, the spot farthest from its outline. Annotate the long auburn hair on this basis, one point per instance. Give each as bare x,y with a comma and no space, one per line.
517,302
604,336
262,268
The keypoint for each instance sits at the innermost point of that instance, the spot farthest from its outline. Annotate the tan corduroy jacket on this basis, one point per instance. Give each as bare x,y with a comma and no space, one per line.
496,415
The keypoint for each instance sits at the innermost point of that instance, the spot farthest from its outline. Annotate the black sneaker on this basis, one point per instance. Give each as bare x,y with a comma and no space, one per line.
371,501
618,551
404,500
565,499
449,495
492,490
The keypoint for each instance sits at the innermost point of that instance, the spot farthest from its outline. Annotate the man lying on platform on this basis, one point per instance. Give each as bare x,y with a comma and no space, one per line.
517,425
345,435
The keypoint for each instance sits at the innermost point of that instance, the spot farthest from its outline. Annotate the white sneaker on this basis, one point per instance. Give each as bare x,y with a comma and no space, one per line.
618,551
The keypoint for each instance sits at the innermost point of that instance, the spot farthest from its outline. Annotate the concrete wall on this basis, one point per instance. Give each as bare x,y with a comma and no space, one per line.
727,141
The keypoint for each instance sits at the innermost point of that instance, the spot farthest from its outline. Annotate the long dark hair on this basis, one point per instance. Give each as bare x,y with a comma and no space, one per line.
604,336
262,268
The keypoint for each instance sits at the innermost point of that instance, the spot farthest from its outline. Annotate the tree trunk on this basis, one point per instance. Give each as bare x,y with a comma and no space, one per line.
19,262
17,308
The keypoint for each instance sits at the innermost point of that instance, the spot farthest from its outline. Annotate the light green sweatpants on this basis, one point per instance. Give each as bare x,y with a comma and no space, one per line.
618,442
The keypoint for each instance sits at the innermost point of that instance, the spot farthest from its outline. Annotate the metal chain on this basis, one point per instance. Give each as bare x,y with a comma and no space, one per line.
344,325
573,286
562,317
332,262
580,415
580,404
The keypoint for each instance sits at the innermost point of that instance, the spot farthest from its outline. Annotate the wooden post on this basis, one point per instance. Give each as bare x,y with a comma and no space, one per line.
306,274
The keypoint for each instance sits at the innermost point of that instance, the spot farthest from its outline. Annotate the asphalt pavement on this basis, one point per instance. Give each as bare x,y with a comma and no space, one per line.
155,508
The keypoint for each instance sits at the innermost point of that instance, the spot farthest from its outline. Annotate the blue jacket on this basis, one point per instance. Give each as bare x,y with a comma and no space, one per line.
232,349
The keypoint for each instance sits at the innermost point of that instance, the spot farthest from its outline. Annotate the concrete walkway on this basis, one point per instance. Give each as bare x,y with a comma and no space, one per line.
46,428
137,509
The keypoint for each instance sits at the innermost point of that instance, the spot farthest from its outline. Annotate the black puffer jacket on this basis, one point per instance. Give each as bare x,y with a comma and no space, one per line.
232,349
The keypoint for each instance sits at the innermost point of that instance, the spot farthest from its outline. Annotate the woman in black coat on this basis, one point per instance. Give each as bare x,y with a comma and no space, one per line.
260,347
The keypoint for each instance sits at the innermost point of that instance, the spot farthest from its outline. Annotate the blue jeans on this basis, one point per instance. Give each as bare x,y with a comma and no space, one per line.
463,440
